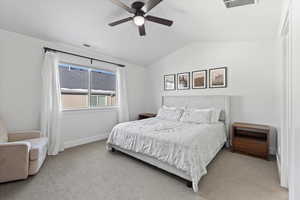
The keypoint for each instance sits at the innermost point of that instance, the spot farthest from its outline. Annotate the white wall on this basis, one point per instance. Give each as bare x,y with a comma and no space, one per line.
295,135
283,140
253,77
21,59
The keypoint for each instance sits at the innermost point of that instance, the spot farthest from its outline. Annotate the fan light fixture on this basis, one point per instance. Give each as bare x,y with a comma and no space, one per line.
139,20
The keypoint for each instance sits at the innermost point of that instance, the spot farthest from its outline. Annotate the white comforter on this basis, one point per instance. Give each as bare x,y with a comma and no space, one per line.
188,147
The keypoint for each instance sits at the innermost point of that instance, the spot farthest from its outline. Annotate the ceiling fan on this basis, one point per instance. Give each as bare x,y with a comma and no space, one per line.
139,10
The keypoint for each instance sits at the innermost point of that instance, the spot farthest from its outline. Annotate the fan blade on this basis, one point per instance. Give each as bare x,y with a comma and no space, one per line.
122,5
150,4
142,30
120,21
159,20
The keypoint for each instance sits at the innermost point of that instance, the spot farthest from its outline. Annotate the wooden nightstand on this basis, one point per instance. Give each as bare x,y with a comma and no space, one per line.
146,115
251,139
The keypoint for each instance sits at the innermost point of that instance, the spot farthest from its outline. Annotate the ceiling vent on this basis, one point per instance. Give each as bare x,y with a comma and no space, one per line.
236,3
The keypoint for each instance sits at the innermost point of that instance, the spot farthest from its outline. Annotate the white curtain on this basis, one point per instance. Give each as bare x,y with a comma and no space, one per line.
123,115
51,103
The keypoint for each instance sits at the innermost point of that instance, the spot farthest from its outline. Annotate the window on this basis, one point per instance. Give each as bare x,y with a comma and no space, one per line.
83,87
103,88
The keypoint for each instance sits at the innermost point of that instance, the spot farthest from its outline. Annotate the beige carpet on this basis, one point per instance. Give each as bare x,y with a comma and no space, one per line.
90,172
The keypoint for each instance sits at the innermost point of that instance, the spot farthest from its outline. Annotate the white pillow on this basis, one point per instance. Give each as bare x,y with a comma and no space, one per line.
3,132
169,113
215,116
199,116
169,107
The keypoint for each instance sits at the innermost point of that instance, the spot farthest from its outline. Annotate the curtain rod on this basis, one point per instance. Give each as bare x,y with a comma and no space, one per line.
91,59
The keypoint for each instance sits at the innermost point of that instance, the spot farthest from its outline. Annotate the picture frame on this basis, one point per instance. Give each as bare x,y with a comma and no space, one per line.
199,79
170,82
218,77
183,81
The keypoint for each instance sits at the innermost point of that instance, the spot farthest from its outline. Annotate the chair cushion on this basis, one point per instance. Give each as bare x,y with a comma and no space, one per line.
3,132
39,148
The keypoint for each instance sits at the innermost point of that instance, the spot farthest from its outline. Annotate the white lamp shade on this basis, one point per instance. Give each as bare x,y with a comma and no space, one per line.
139,20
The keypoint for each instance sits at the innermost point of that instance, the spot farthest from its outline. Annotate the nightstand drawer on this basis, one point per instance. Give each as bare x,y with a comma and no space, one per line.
250,146
251,134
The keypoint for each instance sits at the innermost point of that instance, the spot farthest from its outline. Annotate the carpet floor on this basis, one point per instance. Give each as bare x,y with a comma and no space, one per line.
89,172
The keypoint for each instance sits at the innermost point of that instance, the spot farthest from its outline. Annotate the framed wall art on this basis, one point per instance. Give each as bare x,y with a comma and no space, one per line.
199,79
169,82
183,81
218,77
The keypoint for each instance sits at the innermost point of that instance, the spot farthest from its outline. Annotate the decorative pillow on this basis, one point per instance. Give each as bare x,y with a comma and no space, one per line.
169,113
199,116
216,114
3,132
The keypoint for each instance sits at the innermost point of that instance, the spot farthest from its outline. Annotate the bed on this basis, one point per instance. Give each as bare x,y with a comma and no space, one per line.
180,148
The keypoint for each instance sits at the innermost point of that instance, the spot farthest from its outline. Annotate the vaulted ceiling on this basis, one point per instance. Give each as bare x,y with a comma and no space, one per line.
77,22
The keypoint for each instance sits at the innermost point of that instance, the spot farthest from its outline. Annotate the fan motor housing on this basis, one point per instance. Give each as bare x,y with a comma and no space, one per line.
137,5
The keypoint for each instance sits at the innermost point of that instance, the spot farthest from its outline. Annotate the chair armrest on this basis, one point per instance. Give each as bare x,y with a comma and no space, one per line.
14,159
23,135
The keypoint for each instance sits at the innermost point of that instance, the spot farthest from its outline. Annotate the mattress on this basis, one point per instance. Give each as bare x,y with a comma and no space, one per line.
186,146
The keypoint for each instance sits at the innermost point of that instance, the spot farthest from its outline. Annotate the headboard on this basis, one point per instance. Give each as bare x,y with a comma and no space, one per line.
203,101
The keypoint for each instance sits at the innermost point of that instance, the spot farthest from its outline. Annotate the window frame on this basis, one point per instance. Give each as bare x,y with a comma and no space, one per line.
90,69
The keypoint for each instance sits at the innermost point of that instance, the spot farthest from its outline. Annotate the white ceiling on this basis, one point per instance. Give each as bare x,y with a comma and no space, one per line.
85,21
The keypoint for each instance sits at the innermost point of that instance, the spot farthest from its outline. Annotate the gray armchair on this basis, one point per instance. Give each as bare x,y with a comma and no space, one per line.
22,154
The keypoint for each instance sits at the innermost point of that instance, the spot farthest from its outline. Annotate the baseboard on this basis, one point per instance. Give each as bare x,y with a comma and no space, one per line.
86,140
283,179
278,164
272,151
